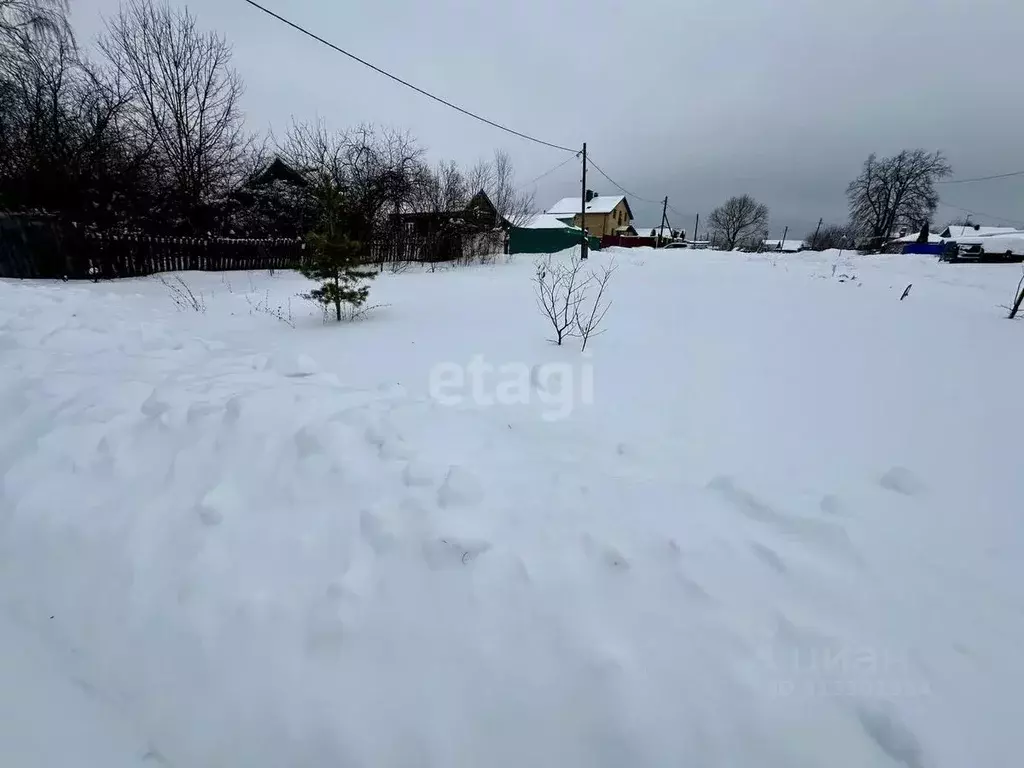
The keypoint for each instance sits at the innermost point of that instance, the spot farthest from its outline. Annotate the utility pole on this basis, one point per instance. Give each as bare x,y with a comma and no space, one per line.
814,242
782,243
696,224
664,212
583,206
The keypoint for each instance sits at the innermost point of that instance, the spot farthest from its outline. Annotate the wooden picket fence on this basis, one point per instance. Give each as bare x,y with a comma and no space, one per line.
43,246
105,256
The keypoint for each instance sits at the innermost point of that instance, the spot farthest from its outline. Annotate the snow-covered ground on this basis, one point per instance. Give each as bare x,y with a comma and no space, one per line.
773,517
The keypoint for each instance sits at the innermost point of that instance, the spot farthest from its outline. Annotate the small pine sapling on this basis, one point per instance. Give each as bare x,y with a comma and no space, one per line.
336,261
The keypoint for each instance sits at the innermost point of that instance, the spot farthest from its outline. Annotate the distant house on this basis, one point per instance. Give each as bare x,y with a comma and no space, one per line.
668,233
604,213
278,170
784,246
473,230
276,201
478,215
957,231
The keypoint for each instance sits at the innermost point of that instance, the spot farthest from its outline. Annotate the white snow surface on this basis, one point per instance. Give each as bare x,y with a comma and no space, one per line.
784,528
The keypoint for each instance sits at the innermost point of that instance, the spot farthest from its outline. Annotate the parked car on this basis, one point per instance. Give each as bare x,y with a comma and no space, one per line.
676,245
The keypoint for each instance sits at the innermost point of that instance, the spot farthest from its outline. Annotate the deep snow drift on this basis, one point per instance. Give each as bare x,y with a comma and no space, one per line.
772,518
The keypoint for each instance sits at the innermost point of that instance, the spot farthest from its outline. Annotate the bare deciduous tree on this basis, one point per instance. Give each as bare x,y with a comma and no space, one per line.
895,191
21,20
514,205
378,170
588,322
64,143
184,100
561,291
737,220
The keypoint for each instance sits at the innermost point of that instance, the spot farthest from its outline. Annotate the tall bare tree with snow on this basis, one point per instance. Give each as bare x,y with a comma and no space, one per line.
895,191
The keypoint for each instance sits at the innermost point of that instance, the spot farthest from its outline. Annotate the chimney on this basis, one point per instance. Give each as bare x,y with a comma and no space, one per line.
590,195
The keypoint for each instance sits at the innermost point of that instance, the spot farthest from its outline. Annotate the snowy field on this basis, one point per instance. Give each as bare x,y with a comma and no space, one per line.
773,517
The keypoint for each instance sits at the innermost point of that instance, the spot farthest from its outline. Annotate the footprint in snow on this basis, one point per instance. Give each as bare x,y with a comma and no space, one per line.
419,474
770,557
901,480
824,534
891,735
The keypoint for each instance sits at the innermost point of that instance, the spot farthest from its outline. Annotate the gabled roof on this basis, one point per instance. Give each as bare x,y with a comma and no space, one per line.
279,170
971,230
786,246
912,238
545,221
599,204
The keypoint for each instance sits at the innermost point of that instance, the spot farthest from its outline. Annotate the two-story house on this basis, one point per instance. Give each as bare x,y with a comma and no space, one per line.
604,213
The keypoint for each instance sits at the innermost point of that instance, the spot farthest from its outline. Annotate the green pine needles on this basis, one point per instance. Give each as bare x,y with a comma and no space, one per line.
335,260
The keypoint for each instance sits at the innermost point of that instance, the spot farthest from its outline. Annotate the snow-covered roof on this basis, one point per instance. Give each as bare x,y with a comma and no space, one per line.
958,231
912,238
646,231
999,244
600,204
791,246
545,221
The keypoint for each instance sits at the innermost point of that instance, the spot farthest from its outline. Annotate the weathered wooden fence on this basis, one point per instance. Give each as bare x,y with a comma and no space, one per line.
41,246
109,256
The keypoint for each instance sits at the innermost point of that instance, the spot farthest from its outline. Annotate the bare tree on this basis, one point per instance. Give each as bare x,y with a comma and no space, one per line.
895,191
588,322
561,291
514,205
64,144
21,20
185,100
379,172
737,220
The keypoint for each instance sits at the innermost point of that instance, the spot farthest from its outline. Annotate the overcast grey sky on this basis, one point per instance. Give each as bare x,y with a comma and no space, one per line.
697,100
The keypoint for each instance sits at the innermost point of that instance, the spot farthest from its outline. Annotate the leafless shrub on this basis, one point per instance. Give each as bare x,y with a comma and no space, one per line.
589,323
353,314
563,290
282,312
183,296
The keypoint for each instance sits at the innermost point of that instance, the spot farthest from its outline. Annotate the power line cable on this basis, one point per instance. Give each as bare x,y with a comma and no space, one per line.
982,213
619,186
406,83
557,167
982,178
